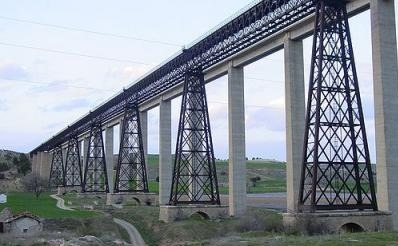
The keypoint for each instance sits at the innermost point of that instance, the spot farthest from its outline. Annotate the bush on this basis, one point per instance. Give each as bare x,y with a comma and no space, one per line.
258,220
4,167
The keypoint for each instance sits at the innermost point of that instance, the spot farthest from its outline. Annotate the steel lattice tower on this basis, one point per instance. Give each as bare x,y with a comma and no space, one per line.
336,172
95,176
57,168
131,173
194,175
73,172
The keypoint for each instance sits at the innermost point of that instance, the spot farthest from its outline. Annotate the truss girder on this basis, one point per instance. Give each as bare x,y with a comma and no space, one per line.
73,171
57,168
131,173
336,170
194,174
253,25
95,175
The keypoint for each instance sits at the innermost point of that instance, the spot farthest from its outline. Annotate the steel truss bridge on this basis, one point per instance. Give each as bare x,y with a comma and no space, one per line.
261,20
336,169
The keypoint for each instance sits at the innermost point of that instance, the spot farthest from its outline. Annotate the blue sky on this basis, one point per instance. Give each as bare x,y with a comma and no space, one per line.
42,91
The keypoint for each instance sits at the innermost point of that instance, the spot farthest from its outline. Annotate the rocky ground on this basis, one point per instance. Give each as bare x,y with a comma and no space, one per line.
64,239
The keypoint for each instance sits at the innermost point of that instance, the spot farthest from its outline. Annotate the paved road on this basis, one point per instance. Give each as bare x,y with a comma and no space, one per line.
135,237
272,200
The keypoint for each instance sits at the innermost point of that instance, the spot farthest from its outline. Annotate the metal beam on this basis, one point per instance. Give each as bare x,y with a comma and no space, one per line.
252,28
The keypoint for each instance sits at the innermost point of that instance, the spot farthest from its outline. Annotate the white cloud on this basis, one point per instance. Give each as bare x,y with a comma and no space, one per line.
10,70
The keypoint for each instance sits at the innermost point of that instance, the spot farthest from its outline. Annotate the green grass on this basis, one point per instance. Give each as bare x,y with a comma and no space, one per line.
44,206
354,239
153,186
271,173
195,229
271,185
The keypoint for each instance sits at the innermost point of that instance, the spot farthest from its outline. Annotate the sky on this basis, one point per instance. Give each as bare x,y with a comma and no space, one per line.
60,59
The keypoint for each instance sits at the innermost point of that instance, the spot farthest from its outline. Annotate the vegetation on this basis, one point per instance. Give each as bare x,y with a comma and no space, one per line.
44,206
270,176
259,227
22,163
276,239
11,159
35,184
154,232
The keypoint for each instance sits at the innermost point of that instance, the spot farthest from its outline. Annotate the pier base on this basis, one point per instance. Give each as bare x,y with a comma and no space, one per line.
63,190
123,198
173,213
337,222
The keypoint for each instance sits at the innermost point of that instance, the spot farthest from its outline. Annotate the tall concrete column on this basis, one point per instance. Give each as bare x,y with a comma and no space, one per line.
165,165
38,167
64,155
295,117
385,77
144,134
34,163
45,165
86,143
237,148
109,156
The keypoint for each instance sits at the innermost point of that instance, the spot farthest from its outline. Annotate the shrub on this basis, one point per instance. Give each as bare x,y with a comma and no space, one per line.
4,167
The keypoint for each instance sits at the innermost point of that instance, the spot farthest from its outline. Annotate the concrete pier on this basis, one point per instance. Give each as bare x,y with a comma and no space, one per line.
295,117
86,143
109,156
144,135
165,160
385,83
237,154
45,165
64,155
35,163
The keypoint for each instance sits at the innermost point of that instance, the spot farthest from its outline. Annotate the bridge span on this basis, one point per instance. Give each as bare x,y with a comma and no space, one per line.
264,27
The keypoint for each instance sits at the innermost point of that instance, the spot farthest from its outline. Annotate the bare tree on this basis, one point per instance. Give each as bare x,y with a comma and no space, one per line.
35,183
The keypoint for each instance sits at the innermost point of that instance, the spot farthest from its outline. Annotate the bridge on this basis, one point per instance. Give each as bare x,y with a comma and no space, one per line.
262,28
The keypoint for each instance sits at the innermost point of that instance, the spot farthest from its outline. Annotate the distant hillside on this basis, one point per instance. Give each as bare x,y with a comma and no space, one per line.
8,154
13,164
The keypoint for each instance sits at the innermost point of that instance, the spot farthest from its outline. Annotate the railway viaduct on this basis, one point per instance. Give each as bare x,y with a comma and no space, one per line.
262,28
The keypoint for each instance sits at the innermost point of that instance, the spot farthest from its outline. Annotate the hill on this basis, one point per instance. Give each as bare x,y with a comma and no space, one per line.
13,165
262,175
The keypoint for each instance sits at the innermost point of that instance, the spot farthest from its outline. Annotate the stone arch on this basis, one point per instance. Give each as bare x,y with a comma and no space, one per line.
201,214
137,200
351,227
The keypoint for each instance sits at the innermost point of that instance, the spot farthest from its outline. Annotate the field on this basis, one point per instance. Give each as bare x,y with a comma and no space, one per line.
258,227
271,175
43,207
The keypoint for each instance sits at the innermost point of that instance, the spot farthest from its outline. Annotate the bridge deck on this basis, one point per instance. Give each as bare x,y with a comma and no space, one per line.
255,29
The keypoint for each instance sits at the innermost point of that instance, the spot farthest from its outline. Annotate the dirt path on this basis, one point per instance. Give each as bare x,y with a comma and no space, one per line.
135,237
61,203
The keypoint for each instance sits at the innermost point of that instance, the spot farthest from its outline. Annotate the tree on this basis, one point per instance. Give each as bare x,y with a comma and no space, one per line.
4,167
254,180
23,165
35,183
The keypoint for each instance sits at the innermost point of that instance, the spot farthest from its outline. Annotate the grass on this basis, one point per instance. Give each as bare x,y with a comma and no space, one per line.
153,186
272,175
44,206
259,227
196,229
276,239
271,185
